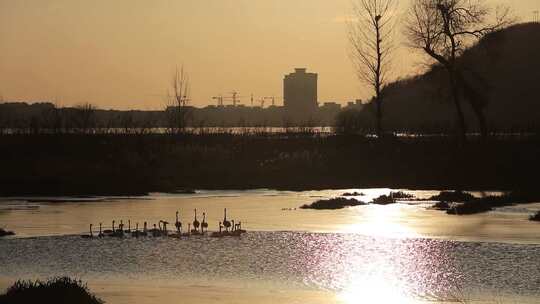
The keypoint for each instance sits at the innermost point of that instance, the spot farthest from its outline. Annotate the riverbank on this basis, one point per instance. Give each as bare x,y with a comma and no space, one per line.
77,165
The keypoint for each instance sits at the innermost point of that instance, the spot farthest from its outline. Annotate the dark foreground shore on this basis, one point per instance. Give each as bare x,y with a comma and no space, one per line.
138,164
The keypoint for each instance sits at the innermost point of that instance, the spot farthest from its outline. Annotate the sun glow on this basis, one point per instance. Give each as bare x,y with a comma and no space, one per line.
385,221
374,288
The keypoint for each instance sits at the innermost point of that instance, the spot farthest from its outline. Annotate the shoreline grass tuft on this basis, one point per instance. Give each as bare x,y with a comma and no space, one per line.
6,232
60,290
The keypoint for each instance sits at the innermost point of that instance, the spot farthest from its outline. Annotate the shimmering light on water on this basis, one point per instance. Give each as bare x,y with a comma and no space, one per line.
374,288
402,253
386,221
377,283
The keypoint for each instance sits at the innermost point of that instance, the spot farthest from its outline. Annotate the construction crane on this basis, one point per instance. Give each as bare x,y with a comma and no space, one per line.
235,98
273,98
219,100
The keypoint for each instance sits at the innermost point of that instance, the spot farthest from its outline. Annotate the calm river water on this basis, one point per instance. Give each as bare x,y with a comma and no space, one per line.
402,253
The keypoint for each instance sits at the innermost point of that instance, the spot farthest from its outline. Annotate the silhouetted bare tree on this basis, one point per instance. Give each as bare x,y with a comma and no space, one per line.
84,118
443,29
177,110
370,35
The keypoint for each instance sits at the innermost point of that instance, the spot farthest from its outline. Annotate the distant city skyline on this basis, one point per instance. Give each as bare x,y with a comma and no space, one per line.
121,54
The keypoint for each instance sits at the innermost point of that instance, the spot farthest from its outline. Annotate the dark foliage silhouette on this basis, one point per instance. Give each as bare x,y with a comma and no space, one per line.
442,29
4,232
333,203
452,196
507,62
461,203
54,291
131,165
353,194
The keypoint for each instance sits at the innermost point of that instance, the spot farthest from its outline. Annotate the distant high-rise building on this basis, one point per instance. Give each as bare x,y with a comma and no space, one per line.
300,91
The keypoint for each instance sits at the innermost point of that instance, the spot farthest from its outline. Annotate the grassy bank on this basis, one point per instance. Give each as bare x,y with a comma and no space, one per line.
137,164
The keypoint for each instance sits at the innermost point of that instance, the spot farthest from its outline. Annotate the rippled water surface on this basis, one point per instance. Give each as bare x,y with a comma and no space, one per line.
402,253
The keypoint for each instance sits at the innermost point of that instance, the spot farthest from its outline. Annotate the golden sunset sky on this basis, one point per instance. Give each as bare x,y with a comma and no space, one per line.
122,53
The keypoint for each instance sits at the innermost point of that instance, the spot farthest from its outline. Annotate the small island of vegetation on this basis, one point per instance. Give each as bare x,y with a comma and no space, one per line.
392,198
465,203
353,194
333,203
452,196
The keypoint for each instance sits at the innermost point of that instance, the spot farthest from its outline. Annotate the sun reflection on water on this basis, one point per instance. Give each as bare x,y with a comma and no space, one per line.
377,281
374,288
385,221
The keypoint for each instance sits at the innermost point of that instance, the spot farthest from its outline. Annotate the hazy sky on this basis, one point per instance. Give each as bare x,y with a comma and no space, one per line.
122,53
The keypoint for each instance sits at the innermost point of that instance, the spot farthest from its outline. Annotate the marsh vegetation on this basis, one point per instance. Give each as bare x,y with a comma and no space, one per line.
62,290
4,232
462,203
333,203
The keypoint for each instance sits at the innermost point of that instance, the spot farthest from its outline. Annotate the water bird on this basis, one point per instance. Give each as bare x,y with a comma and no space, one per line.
109,231
226,223
129,227
121,227
136,232
118,232
188,233
86,236
145,230
164,230
178,225
100,233
115,232
204,224
240,228
196,223
234,231
155,232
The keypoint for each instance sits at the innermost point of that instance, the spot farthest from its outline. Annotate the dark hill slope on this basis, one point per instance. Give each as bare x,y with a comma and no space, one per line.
505,66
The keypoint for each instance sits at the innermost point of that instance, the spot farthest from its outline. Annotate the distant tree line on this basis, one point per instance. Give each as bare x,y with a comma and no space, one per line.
86,118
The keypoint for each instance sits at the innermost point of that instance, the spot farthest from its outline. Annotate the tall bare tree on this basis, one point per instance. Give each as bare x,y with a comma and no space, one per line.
84,118
370,35
443,29
177,110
